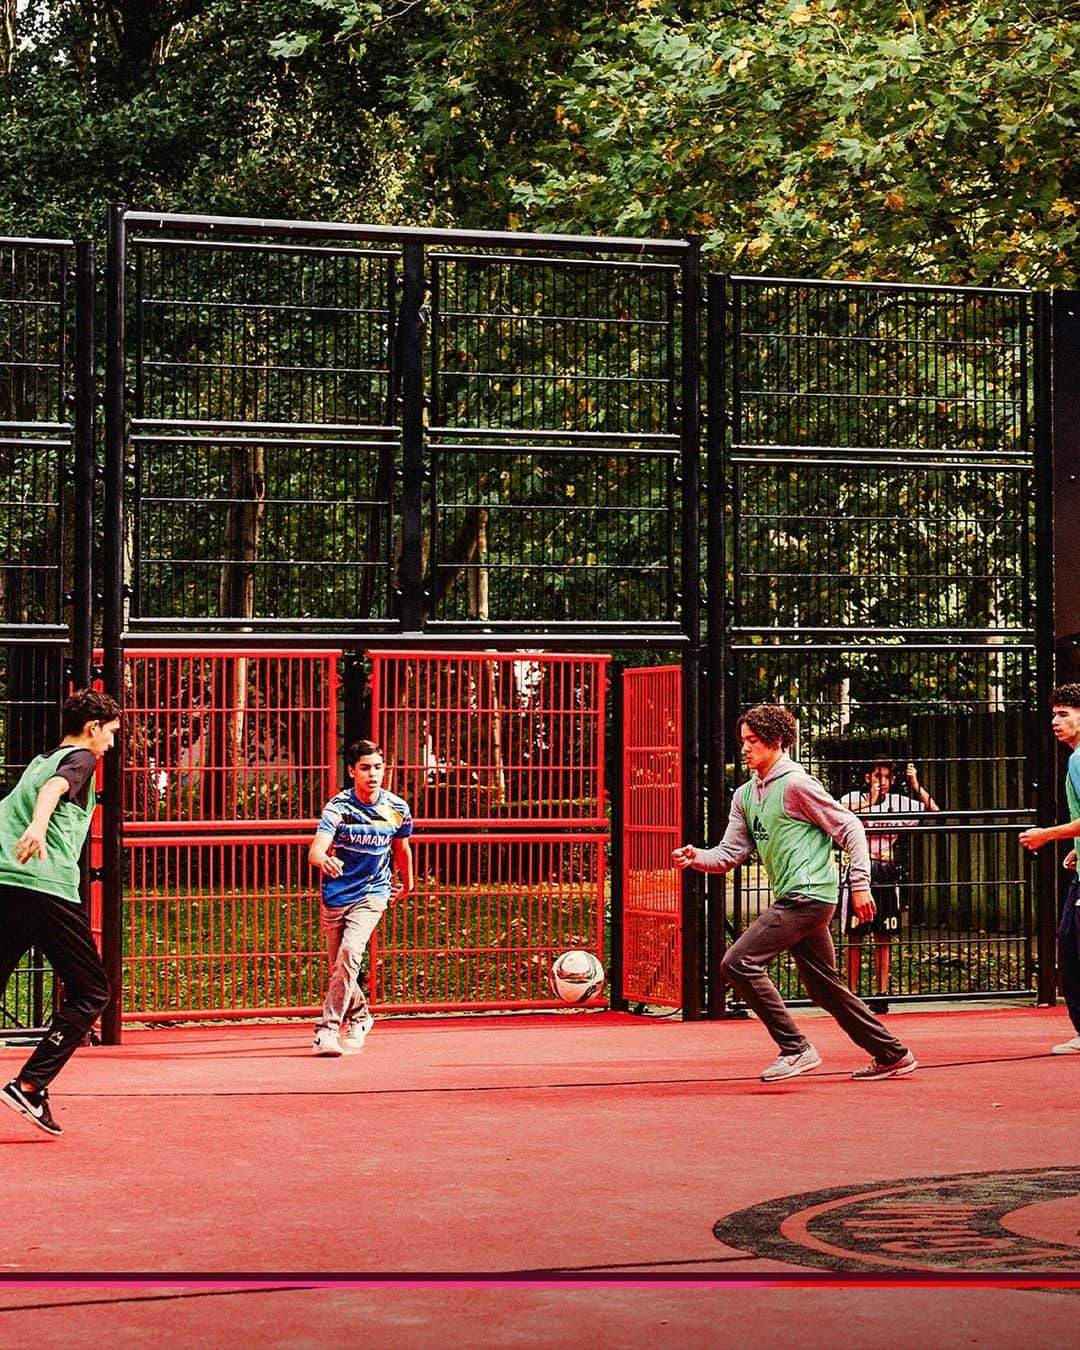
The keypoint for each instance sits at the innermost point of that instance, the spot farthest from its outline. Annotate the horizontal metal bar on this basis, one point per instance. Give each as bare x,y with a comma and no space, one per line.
551,376
888,287
920,342
298,632
461,238
264,368
906,400
228,1013
449,654
34,635
899,648
596,451
968,638
515,434
150,641
284,442
514,638
246,247
751,451
51,428
601,320
9,241
582,263
910,1000
296,428
570,508
940,824
32,443
261,652
507,831
149,833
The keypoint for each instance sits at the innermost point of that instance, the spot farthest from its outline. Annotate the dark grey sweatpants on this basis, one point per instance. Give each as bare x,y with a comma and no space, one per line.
801,927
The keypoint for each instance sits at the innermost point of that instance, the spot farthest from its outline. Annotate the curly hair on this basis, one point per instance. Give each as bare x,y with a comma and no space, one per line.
772,725
1065,696
88,705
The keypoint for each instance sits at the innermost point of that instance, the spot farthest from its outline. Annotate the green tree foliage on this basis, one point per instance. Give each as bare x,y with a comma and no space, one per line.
836,137
829,138
181,105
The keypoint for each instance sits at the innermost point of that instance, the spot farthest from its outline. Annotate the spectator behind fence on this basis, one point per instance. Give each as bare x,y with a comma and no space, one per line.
896,812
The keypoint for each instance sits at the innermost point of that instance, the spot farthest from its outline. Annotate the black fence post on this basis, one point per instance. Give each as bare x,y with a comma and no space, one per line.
411,330
716,619
82,598
112,568
1057,469
694,955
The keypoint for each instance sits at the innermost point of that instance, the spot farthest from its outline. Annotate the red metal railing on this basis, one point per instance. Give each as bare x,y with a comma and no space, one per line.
226,740
652,813
221,927
509,747
489,915
229,757
489,740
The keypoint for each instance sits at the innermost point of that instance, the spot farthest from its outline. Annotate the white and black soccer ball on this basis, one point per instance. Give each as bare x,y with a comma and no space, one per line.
576,976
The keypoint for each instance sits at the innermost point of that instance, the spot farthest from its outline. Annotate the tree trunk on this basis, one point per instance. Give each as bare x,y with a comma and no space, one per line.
247,493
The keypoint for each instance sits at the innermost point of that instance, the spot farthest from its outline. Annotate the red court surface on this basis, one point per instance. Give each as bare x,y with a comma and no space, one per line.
583,1180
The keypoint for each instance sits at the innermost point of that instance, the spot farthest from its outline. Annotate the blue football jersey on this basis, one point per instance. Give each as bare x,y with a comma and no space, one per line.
363,833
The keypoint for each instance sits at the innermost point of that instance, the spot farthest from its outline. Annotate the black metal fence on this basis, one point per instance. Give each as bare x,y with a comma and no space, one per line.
46,468
884,468
349,436
359,431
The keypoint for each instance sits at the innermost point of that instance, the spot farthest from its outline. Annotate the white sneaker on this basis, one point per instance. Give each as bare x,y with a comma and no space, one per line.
326,1042
355,1034
1067,1047
790,1066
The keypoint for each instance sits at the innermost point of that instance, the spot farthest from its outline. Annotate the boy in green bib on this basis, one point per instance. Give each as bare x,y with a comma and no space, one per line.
791,822
44,821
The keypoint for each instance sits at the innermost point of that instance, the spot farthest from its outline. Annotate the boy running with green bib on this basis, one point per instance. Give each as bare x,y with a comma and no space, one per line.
791,822
44,821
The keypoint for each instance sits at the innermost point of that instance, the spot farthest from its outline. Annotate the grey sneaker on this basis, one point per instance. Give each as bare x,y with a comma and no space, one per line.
1067,1047
907,1063
326,1042
355,1034
790,1066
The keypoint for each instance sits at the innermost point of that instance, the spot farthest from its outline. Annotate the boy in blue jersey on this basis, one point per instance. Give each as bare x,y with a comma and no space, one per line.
1065,722
361,843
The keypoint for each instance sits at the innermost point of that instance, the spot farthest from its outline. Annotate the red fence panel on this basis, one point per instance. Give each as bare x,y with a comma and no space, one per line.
511,748
229,739
487,739
228,759
221,926
489,915
652,814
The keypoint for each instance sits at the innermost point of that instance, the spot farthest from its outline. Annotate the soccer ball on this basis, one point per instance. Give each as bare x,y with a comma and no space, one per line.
576,976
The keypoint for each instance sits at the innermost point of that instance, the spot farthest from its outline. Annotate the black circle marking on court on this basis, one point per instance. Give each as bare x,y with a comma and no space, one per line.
1013,1221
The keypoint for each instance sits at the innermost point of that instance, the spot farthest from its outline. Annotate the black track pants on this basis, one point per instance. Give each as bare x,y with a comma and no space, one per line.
30,919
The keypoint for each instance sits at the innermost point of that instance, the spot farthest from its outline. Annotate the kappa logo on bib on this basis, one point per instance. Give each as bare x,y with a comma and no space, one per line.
979,1221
